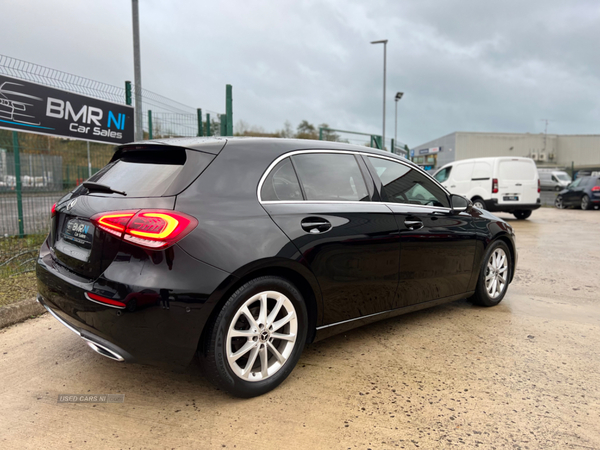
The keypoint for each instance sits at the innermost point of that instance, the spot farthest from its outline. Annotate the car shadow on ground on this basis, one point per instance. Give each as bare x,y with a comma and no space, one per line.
147,384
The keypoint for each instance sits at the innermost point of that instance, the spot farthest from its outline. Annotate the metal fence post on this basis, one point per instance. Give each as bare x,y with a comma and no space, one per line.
149,124
229,110
128,93
89,160
200,131
15,136
208,130
223,125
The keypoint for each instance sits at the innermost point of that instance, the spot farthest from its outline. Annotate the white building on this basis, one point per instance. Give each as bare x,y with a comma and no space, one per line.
552,150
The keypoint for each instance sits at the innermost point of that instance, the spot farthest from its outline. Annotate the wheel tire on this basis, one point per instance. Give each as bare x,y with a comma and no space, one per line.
478,203
557,188
482,295
234,376
558,202
522,214
585,202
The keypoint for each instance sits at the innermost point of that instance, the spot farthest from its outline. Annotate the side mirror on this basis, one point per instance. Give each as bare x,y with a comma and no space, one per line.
458,203
569,185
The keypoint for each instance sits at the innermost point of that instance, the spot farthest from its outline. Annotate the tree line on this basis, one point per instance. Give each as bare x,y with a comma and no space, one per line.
304,130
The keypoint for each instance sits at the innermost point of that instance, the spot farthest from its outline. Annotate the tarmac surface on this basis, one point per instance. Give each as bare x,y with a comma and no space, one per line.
522,375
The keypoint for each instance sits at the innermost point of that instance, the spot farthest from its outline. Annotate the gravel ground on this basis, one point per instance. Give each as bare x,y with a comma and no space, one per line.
522,375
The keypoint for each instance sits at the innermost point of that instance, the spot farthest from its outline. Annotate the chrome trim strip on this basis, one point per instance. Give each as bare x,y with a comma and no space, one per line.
334,202
298,152
100,303
356,318
60,320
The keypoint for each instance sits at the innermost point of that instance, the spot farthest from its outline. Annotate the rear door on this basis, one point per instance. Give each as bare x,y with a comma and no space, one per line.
322,202
517,181
437,247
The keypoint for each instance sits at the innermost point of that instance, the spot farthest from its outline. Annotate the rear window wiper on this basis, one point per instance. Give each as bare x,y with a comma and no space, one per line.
97,187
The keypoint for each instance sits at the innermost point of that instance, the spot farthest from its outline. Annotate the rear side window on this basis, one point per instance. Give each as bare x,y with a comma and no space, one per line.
328,176
281,183
152,173
481,171
517,170
443,174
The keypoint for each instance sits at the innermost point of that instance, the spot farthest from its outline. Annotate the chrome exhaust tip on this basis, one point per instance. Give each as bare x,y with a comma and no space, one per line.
104,351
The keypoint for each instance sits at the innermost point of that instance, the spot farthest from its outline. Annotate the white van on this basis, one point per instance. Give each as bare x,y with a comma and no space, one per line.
497,184
553,179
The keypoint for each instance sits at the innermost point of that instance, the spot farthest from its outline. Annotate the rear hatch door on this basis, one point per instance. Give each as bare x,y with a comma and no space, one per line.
150,177
517,181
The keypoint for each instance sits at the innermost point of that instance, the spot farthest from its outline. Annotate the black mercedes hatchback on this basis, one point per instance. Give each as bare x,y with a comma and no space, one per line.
244,250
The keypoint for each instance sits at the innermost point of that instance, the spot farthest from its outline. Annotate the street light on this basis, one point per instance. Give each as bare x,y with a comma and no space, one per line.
398,97
384,42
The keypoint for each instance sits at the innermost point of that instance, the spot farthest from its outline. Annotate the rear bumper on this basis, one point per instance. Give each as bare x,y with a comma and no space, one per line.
96,343
493,206
165,311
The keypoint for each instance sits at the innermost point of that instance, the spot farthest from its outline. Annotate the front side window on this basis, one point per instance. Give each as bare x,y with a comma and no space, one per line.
402,184
443,174
330,177
281,183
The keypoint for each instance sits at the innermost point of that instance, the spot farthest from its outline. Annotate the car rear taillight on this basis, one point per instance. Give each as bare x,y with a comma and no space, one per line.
149,228
495,186
539,186
596,189
53,211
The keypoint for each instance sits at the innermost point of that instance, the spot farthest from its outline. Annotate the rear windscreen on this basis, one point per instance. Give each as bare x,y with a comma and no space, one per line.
150,173
517,170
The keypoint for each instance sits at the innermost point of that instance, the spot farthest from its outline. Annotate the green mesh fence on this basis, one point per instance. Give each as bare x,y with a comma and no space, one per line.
37,170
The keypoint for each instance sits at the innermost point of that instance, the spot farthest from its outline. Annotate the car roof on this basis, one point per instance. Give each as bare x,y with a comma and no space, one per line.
279,146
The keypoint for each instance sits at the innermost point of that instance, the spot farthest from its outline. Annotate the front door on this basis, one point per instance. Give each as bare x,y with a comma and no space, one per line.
437,247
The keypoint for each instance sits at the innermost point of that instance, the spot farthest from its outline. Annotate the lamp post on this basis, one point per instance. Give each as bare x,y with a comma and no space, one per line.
398,97
137,71
384,42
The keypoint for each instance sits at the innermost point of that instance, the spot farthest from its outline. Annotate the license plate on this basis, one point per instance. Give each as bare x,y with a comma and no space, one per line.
79,232
511,198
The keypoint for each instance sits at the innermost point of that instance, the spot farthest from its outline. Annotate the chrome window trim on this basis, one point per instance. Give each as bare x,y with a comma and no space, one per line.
350,152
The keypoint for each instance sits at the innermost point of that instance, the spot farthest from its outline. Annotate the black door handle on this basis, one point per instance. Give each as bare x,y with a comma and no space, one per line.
413,224
315,225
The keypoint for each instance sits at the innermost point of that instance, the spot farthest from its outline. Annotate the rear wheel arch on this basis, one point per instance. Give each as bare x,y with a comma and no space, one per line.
289,270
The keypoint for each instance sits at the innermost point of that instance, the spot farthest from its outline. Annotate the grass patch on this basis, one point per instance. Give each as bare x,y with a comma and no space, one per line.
18,287
17,255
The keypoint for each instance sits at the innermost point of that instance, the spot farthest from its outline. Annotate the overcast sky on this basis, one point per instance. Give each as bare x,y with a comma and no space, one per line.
463,65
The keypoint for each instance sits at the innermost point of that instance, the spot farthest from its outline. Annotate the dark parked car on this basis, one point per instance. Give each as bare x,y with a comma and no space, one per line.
243,250
583,193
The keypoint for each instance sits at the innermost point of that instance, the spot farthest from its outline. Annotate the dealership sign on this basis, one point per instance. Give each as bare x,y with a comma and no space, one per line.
429,151
35,108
